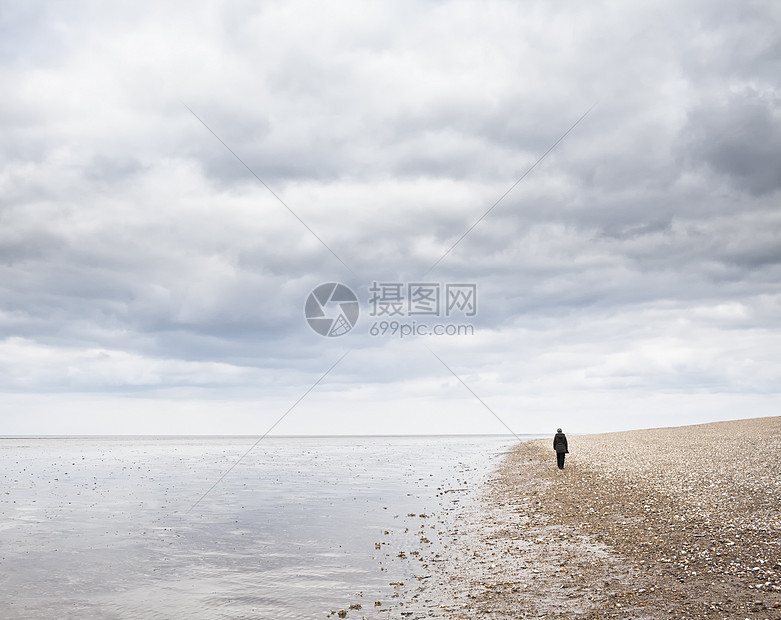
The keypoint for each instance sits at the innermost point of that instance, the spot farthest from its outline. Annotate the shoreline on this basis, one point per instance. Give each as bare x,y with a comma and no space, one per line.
676,522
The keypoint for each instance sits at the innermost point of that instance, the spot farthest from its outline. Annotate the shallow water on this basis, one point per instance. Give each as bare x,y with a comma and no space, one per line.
106,528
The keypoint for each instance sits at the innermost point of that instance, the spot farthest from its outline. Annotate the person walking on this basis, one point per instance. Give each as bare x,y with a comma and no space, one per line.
560,446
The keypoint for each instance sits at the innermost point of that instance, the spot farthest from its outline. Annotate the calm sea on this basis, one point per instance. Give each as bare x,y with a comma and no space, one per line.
109,527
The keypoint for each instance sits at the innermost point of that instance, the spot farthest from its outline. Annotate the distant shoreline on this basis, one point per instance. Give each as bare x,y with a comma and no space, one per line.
528,436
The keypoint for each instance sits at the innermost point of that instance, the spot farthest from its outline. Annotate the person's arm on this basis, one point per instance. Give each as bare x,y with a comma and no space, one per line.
566,447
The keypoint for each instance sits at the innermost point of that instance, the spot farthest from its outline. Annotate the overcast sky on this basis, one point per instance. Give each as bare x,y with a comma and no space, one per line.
149,283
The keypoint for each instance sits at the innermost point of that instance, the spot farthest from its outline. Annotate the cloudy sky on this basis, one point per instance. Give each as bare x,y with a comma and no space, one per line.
149,283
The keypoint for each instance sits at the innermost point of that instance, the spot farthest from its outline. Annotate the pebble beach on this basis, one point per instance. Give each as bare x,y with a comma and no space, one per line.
663,523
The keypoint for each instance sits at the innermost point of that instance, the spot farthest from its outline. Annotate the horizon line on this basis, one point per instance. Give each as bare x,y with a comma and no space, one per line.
251,436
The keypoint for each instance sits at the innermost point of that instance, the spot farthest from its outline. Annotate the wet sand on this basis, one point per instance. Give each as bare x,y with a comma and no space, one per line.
676,523
98,528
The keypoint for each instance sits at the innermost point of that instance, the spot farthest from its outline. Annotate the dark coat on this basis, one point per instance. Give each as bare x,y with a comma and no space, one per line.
560,443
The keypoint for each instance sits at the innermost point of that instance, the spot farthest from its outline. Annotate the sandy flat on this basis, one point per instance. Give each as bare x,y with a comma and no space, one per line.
677,523
108,528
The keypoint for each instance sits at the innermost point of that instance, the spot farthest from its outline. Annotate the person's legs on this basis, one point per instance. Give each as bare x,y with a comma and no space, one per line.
560,459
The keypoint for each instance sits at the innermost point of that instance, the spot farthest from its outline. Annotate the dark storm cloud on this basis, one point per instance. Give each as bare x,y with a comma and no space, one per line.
739,139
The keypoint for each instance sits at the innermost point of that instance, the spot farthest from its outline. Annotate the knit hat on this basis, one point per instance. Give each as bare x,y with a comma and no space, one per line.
558,430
